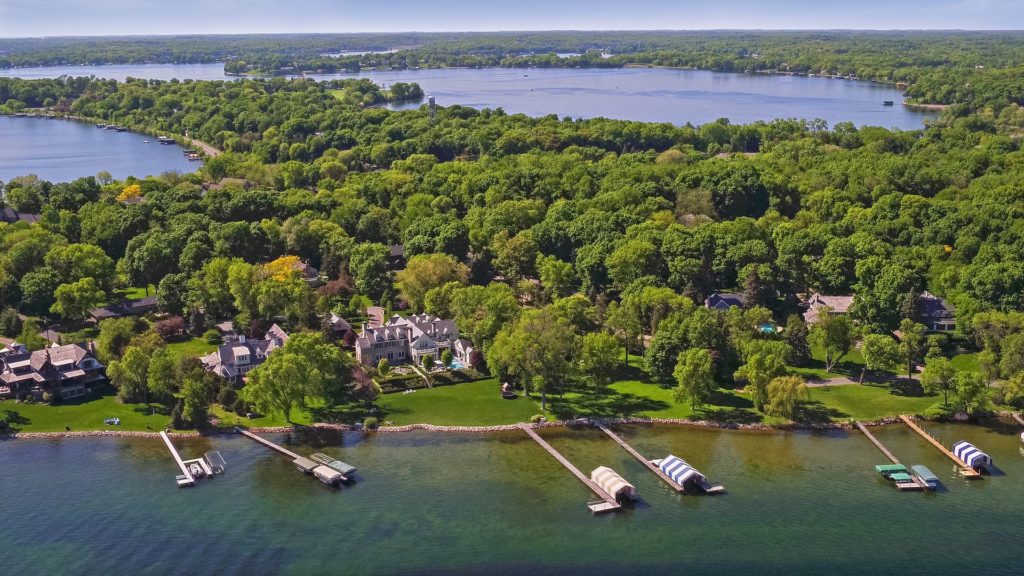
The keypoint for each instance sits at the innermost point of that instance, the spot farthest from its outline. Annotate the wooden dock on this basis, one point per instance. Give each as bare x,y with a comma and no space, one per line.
965,470
877,444
1018,418
607,504
917,483
650,465
270,444
185,479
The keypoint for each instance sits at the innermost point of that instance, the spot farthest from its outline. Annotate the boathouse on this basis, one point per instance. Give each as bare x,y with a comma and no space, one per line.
680,472
971,456
615,485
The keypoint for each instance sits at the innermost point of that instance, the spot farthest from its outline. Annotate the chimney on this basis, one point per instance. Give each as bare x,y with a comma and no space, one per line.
241,338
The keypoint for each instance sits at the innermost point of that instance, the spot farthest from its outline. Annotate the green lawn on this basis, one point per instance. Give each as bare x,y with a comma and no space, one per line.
85,413
867,402
230,419
965,362
471,404
186,346
134,292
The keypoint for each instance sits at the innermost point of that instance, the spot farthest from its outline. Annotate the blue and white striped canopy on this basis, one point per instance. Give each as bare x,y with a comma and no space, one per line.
679,471
971,456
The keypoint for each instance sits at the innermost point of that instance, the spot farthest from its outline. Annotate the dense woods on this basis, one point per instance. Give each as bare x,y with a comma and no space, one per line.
589,237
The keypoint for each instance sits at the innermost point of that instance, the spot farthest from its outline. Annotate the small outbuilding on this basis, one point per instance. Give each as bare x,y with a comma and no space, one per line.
615,485
971,456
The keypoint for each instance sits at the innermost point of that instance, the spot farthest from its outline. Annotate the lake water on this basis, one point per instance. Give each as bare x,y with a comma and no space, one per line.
645,94
797,503
62,150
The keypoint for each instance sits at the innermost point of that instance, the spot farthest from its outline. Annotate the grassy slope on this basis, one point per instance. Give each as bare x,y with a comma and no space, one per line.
472,404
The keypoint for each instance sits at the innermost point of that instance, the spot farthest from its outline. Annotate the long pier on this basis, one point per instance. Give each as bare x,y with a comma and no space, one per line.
876,442
965,470
650,466
186,478
269,444
609,503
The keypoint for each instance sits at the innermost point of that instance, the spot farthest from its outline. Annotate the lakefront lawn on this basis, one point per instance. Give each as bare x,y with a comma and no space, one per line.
83,414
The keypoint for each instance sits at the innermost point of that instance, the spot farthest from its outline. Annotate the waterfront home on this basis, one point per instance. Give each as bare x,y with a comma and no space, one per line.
818,304
232,361
396,259
68,371
309,274
408,340
125,308
936,313
724,300
10,216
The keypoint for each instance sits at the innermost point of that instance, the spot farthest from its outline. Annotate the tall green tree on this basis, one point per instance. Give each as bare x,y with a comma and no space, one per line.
880,352
758,371
835,336
424,272
971,391
74,301
939,376
129,375
597,359
694,375
536,350
912,344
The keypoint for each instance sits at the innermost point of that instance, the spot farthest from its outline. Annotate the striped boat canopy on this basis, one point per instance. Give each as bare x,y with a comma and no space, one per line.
679,471
971,456
610,481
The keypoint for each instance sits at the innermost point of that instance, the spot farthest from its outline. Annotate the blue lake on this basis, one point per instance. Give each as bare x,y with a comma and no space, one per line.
645,94
62,150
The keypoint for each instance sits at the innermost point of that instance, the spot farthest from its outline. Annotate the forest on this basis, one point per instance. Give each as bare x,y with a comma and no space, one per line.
555,244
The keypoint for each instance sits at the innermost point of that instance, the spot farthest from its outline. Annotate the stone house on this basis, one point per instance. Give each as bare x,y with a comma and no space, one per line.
408,340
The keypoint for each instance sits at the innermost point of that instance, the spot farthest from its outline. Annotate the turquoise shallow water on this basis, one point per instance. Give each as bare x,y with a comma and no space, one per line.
798,503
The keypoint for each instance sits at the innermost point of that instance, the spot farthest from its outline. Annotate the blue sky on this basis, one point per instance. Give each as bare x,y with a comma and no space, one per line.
104,17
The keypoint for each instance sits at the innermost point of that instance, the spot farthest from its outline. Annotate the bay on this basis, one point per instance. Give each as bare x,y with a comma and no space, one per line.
430,503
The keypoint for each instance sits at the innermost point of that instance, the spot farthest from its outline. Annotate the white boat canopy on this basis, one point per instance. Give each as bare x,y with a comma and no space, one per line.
610,481
971,456
679,471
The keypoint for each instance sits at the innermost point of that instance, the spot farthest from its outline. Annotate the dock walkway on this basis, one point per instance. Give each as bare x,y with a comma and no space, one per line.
877,444
609,503
270,444
650,465
186,478
965,470
1018,418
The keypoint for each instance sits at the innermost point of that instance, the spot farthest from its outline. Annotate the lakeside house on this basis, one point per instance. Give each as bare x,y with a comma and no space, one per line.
10,216
819,304
935,313
309,274
724,300
232,361
396,259
126,308
68,370
408,340
339,326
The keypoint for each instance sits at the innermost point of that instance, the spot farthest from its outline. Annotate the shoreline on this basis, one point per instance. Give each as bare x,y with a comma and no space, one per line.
702,424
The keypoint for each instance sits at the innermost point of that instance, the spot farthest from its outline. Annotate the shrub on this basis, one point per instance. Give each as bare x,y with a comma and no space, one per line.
177,422
447,357
238,407
10,323
227,396
370,423
4,425
48,398
537,418
170,327
212,336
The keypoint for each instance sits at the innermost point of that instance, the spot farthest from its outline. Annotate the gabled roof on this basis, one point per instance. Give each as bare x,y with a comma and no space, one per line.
932,305
725,300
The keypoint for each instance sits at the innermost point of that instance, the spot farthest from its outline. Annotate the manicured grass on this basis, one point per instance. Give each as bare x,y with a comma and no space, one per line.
965,362
135,292
472,404
185,346
85,413
867,402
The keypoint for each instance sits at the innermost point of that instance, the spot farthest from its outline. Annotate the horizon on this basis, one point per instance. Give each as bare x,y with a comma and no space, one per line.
70,18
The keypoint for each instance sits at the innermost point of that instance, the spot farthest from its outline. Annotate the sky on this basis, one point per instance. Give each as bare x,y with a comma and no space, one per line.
22,18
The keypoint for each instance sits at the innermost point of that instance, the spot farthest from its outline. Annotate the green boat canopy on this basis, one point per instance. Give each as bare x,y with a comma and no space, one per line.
890,468
901,477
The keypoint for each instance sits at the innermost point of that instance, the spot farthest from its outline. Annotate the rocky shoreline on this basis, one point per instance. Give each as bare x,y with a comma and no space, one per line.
452,429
